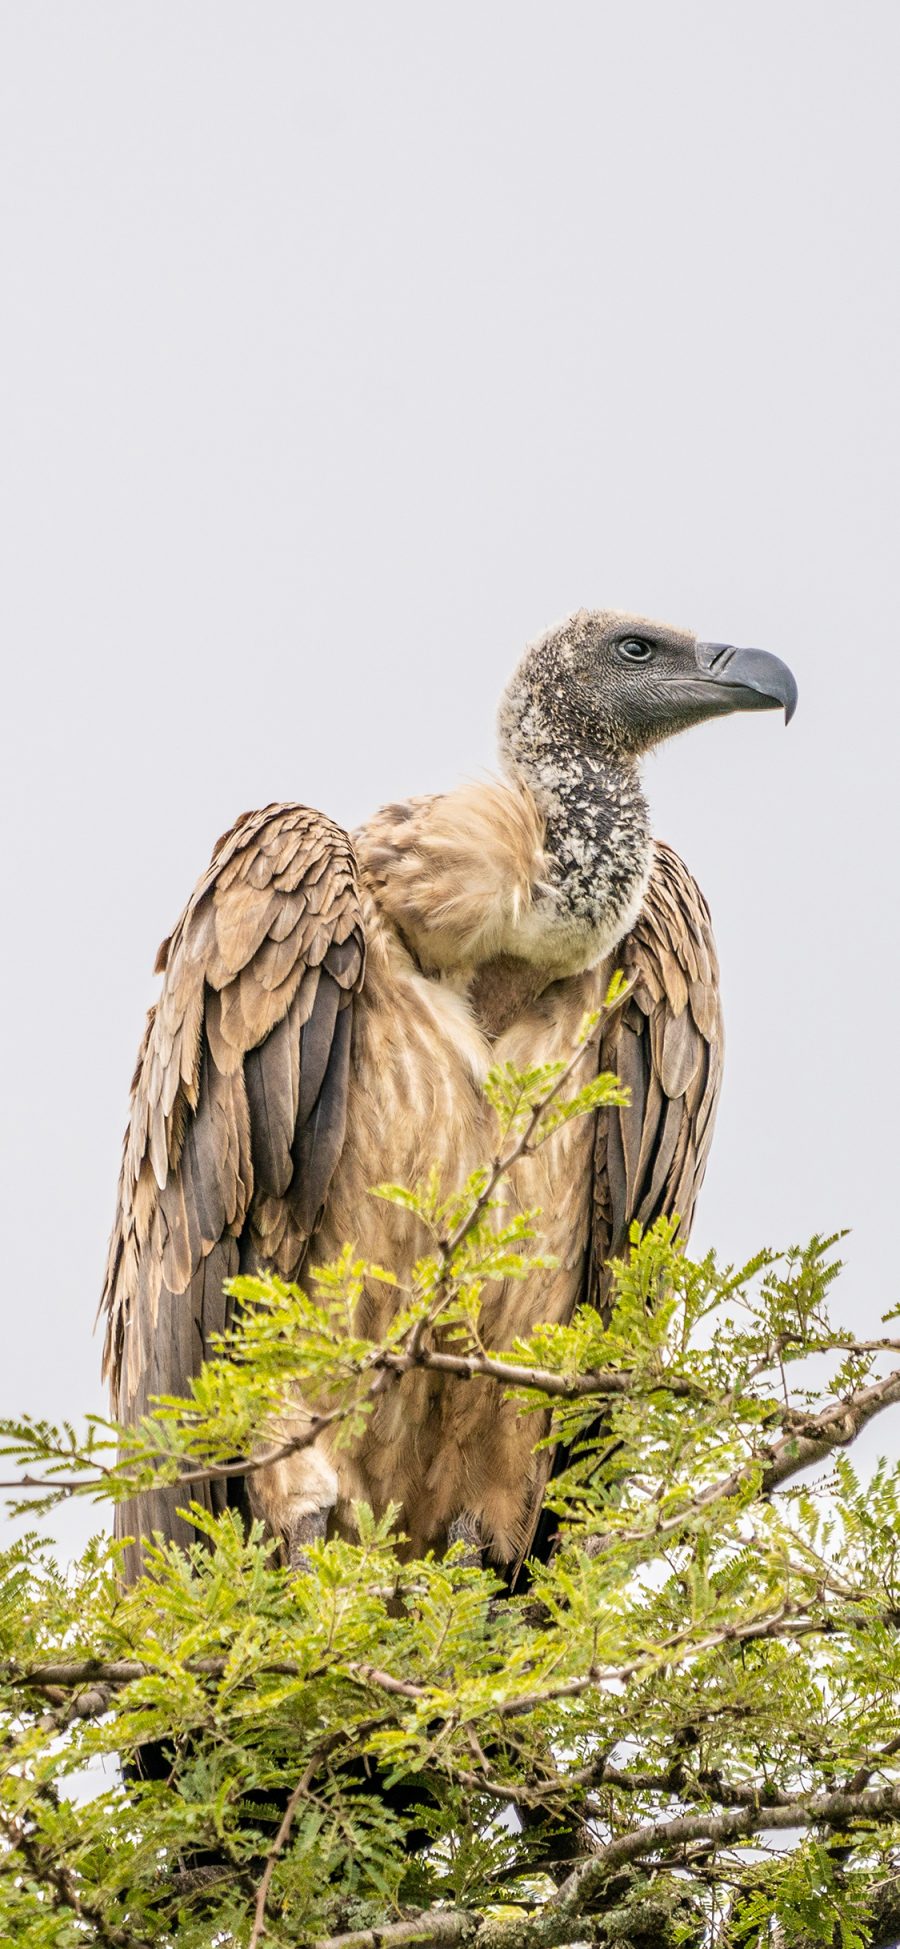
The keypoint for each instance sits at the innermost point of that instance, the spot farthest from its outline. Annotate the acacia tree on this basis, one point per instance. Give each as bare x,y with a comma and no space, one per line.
682,1729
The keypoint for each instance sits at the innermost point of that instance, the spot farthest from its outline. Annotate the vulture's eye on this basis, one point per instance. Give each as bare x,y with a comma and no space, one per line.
635,650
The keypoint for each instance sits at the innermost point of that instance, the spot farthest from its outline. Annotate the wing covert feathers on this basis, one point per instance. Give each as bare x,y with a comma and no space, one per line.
666,1043
238,1099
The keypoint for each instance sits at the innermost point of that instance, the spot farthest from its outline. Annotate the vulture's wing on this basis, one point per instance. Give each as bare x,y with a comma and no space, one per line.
238,1105
666,1043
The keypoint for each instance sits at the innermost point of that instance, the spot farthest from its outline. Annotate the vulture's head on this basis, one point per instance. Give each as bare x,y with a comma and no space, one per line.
624,684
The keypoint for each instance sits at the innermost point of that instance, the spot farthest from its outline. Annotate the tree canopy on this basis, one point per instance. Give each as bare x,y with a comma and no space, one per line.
681,1728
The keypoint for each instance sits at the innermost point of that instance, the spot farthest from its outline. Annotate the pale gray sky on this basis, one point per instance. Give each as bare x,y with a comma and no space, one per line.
342,349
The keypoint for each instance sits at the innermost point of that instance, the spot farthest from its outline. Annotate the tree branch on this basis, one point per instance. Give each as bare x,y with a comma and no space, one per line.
91,1672
430,1926
567,1387
809,1439
876,1804
500,1166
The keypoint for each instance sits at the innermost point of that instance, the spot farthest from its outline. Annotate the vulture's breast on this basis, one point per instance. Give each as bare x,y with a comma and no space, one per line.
423,1042
422,1047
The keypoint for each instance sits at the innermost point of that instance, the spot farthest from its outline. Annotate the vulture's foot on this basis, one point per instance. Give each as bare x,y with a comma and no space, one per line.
295,1497
311,1527
466,1529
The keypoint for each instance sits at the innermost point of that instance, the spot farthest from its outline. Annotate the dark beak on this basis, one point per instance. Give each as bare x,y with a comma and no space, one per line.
754,680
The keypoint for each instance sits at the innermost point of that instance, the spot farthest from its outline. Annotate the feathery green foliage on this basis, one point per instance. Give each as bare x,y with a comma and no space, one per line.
683,1729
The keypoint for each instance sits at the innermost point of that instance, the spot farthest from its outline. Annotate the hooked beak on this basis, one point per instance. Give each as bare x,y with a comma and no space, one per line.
750,680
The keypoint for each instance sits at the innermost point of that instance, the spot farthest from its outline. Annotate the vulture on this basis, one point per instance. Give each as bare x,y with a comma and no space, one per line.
329,1009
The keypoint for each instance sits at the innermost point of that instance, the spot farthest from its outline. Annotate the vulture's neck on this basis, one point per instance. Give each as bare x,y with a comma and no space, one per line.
597,841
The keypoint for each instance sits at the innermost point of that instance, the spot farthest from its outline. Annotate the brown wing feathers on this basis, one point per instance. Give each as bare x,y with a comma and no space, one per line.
666,1044
238,1099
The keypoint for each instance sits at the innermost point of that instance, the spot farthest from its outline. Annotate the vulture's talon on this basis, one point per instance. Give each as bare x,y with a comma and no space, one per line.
304,1530
466,1529
294,1497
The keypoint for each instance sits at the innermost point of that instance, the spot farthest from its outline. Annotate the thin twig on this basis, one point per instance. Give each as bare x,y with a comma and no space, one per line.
807,1439
499,1169
214,1472
287,1821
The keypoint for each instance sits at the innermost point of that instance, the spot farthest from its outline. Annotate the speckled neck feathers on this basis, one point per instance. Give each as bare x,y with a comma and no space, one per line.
548,869
597,841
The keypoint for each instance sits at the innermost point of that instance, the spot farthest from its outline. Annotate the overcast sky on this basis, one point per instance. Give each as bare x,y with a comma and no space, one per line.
342,349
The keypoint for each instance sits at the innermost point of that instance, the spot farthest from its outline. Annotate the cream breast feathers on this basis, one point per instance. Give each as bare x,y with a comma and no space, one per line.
464,878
